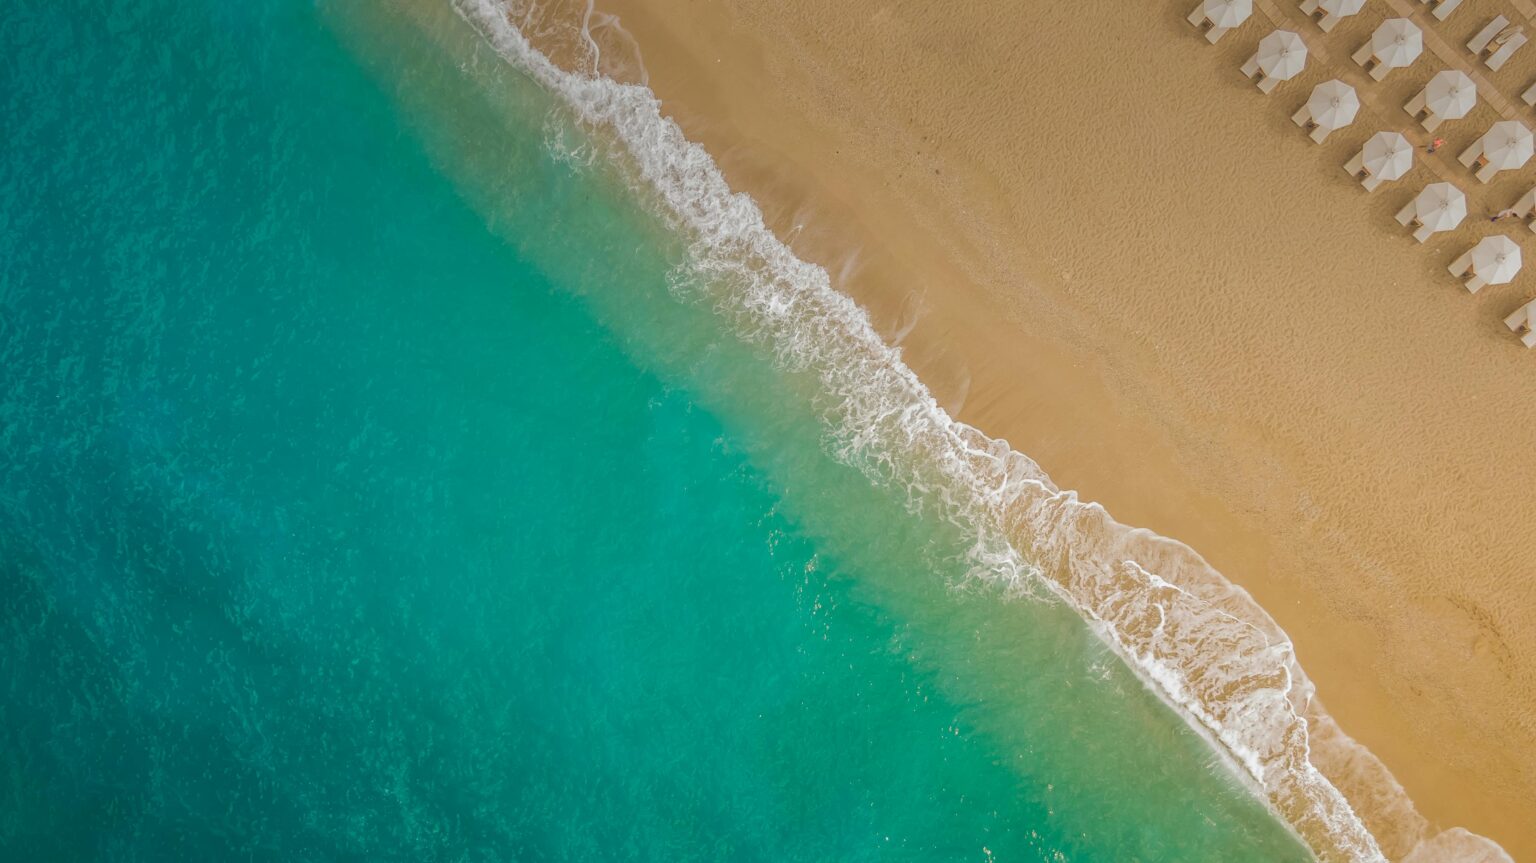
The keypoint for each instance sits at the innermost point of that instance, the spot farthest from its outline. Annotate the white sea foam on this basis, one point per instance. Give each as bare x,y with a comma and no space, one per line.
1202,643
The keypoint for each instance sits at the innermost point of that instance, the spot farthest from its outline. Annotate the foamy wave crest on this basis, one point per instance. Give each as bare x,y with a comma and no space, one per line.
1199,641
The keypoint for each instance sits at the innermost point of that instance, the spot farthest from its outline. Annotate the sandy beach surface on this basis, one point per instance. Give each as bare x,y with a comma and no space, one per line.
1094,238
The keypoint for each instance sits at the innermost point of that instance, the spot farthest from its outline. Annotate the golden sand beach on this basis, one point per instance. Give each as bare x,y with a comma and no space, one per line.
1093,237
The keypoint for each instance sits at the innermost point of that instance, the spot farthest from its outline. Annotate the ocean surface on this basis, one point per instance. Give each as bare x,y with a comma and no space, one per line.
383,481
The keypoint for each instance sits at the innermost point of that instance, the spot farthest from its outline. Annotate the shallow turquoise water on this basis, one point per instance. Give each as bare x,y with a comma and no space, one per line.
366,495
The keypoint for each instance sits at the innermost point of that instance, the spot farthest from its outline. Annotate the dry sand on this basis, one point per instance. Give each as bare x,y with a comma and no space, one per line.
1094,238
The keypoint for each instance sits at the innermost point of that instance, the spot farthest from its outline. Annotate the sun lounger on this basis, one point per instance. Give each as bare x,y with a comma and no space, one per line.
1303,118
1529,96
1472,158
1377,71
1479,43
1356,168
1417,107
1497,59
1442,9
1405,217
1251,69
1523,322
1460,269
1365,58
1203,23
1326,20
1214,34
1525,209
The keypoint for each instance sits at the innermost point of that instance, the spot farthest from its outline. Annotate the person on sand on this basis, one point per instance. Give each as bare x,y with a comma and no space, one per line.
1435,145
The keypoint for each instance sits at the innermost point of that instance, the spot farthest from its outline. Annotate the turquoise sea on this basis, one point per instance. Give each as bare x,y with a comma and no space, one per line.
372,490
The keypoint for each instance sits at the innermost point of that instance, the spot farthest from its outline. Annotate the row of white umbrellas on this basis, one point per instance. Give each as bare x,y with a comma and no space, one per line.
1441,207
1450,95
1231,13
1397,42
1389,155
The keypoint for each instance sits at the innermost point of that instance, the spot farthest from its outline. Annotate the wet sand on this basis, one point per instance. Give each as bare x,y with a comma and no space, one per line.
1092,237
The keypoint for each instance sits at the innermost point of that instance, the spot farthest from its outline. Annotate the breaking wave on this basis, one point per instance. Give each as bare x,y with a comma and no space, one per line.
1199,641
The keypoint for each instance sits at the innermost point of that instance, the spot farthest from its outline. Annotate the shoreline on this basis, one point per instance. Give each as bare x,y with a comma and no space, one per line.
1111,415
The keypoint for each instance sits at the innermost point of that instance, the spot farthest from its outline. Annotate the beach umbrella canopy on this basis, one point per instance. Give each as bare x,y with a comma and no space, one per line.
1440,207
1496,260
1397,42
1450,95
1227,13
1341,8
1508,144
1282,54
1388,155
1333,104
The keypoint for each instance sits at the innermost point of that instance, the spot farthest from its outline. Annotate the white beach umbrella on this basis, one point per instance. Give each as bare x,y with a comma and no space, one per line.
1397,42
1282,54
1440,207
1387,155
1496,260
1341,8
1508,145
1227,13
1450,95
1333,104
